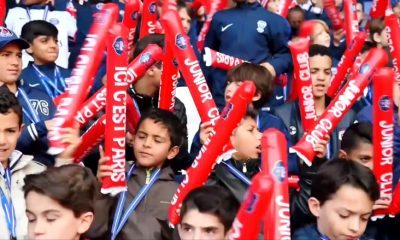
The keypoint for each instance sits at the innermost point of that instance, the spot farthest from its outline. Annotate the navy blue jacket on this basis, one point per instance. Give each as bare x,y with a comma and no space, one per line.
365,115
249,32
30,78
265,120
33,139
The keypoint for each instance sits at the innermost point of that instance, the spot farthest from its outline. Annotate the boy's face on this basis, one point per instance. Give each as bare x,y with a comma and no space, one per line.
47,219
10,131
152,144
345,215
295,19
359,11
273,6
185,19
320,36
44,49
320,68
363,154
10,63
230,89
246,139
200,226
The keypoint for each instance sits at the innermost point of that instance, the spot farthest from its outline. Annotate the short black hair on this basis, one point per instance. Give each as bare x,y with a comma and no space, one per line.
214,200
157,39
316,49
376,25
35,28
72,186
9,103
355,134
176,130
259,75
336,173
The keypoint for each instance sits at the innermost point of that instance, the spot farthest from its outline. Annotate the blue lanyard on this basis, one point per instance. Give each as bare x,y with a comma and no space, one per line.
237,173
32,114
328,151
7,206
120,218
46,11
46,81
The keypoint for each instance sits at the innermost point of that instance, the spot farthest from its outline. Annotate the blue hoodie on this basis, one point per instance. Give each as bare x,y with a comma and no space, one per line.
32,79
37,108
249,32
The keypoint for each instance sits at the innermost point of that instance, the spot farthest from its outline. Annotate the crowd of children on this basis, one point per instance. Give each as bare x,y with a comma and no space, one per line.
53,197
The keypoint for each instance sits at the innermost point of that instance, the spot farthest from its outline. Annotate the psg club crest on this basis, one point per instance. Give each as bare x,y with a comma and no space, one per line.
364,68
4,32
384,103
153,8
180,42
134,15
145,58
252,203
118,45
227,110
279,171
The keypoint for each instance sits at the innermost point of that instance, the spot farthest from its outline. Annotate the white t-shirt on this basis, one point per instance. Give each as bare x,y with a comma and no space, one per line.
66,25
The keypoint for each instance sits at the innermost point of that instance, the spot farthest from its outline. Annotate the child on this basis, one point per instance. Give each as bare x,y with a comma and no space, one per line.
207,214
235,172
145,93
66,24
356,144
320,69
342,196
14,166
43,73
377,32
157,141
59,202
37,107
264,87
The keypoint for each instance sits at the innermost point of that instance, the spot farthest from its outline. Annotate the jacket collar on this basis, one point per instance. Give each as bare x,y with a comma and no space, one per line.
16,161
166,173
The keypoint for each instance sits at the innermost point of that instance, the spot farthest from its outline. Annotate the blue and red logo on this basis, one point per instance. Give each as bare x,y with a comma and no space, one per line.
227,110
279,171
384,103
134,15
364,68
180,41
153,8
145,58
252,203
119,45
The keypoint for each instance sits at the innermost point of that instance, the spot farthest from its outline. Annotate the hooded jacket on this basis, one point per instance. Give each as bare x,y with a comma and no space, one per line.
21,165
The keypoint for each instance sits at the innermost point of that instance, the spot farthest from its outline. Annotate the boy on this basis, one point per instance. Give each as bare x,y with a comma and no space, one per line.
264,86
207,214
320,69
65,23
145,93
157,141
14,166
250,32
43,73
64,194
235,169
377,32
37,106
356,144
342,196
